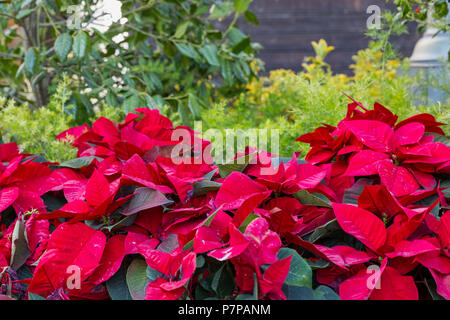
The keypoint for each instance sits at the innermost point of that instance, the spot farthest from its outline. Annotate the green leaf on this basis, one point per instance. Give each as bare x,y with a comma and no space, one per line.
445,184
222,283
131,103
238,72
210,53
194,107
63,44
431,286
318,264
188,50
208,220
251,18
200,261
168,244
323,230
227,73
221,10
312,199
439,138
117,285
102,36
78,163
206,223
30,63
238,164
241,45
203,187
235,36
89,78
247,221
201,293
81,44
240,6
25,3
145,198
36,79
183,112
298,293
325,293
300,273
52,5
154,79
24,13
351,195
152,274
181,29
125,222
137,279
19,246
111,99
428,201
33,296
150,102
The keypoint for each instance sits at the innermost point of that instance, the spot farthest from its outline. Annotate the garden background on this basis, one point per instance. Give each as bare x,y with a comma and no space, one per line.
90,95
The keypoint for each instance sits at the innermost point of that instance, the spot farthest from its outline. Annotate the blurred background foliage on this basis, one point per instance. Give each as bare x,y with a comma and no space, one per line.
154,52
189,59
296,103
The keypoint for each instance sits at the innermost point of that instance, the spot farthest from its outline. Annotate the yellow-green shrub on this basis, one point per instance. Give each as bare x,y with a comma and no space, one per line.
296,103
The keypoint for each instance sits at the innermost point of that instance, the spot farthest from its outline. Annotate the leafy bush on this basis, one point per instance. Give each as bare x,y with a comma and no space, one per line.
294,103
140,215
35,130
159,52
419,11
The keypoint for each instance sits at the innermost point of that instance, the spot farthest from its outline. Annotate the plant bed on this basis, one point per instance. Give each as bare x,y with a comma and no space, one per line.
366,217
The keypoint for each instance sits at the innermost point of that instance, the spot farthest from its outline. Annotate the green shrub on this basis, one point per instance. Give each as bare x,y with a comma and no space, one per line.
298,103
35,130
180,53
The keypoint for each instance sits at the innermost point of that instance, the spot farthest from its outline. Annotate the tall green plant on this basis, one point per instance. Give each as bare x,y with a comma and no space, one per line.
420,10
175,52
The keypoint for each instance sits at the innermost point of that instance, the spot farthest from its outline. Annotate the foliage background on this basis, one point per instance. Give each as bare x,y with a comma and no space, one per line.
172,56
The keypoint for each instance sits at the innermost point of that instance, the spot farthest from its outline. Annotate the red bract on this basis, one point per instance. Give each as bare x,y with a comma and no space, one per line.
21,181
73,249
176,269
367,214
142,133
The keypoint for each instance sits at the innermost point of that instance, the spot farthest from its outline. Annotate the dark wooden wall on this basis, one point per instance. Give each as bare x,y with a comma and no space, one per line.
287,28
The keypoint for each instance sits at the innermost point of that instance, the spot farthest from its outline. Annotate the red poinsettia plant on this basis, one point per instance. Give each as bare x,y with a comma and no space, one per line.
366,216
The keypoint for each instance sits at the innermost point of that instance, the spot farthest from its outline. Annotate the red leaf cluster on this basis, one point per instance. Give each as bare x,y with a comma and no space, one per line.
371,203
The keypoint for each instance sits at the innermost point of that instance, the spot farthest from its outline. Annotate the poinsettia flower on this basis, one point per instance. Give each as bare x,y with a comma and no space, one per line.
111,259
182,176
386,284
274,277
237,188
136,171
22,182
71,248
177,268
99,201
401,155
263,247
287,178
139,134
237,244
8,151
